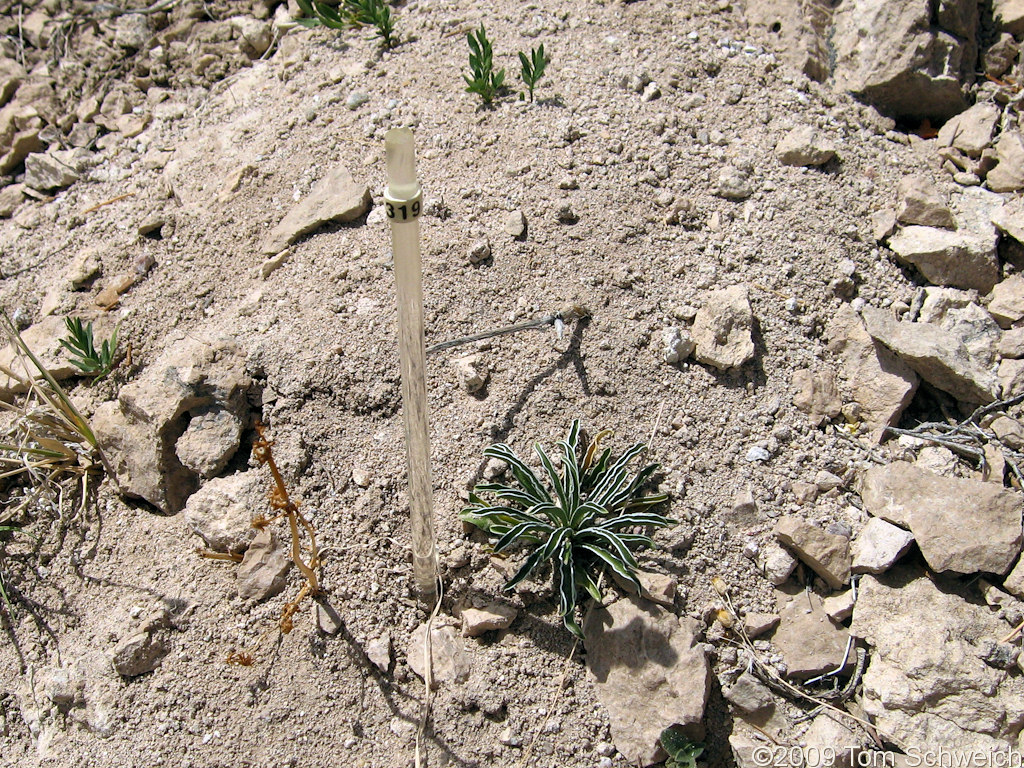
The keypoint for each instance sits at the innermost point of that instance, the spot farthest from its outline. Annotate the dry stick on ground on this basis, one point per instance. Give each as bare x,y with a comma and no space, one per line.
283,504
778,682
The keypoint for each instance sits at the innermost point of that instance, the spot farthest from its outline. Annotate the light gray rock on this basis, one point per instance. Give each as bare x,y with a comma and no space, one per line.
776,563
827,554
878,546
1007,305
45,172
802,28
254,35
264,567
451,664
919,201
1009,15
476,621
948,258
891,56
479,251
722,329
880,383
1009,431
1011,377
649,672
143,650
1014,583
804,146
471,372
883,224
817,394
970,131
938,356
839,607
1008,175
934,509
11,75
748,694
756,624
336,198
221,512
926,684
328,620
809,642
515,224
734,184
957,312
11,196
139,432
378,651
677,345
1009,218
1001,55
829,735
209,441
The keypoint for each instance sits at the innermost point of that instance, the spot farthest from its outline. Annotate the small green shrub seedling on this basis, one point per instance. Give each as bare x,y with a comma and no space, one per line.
485,81
585,526
351,14
85,356
533,67
682,753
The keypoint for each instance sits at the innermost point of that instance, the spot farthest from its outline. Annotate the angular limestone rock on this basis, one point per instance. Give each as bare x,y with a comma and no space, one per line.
263,569
879,545
803,146
476,621
43,338
817,394
1008,175
1007,305
890,55
221,512
722,329
921,202
827,554
926,684
957,312
971,130
961,525
880,383
336,198
948,258
938,356
451,663
810,643
1009,218
649,671
139,432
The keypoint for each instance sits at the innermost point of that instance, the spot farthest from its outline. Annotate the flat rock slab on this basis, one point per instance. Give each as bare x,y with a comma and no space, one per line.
650,672
938,356
827,554
263,569
948,258
927,684
961,525
336,198
43,338
880,383
810,643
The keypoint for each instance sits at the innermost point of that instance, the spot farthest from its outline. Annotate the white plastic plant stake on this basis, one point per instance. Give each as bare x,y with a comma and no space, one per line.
404,202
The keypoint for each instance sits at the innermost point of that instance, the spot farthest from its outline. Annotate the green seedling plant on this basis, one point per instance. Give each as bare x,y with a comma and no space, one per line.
682,753
351,14
585,523
84,355
533,67
485,82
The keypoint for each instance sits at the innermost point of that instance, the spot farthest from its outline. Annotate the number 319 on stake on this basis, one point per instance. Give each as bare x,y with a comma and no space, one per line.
405,210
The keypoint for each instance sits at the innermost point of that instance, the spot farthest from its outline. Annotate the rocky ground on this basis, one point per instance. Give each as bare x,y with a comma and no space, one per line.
795,233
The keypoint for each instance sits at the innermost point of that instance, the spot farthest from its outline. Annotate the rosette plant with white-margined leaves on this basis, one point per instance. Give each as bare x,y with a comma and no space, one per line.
587,520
